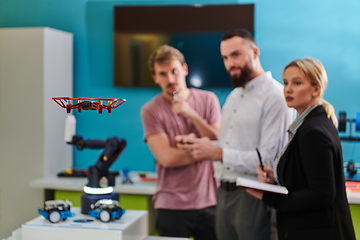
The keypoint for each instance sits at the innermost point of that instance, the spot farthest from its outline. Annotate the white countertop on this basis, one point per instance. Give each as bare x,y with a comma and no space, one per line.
76,221
145,188
353,197
78,183
131,225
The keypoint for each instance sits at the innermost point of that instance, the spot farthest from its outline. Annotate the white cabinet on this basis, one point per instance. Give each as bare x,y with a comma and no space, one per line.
36,64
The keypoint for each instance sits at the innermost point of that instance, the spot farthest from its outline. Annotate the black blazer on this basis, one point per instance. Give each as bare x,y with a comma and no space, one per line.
312,170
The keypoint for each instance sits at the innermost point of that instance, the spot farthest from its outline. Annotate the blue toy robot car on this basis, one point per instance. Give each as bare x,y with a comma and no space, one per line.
106,210
56,210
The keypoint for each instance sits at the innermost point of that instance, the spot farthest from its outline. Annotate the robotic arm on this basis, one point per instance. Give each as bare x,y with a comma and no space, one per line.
98,175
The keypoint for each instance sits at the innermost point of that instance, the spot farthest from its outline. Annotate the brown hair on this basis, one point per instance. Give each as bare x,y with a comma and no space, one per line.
243,33
164,53
315,72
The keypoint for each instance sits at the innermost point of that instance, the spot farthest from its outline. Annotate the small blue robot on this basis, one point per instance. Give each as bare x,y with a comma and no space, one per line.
56,210
106,210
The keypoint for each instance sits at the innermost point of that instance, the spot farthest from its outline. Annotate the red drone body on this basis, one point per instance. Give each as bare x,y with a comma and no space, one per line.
88,103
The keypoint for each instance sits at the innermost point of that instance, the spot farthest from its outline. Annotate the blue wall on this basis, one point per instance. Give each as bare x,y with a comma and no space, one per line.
284,30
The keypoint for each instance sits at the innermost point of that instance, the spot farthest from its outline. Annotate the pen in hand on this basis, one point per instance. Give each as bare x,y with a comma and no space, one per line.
262,166
261,163
175,95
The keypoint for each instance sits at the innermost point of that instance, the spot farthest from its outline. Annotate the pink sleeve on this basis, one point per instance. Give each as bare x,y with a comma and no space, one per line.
150,121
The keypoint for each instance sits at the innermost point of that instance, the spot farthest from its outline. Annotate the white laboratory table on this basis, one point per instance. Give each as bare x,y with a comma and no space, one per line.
353,197
137,196
78,183
132,225
148,238
146,190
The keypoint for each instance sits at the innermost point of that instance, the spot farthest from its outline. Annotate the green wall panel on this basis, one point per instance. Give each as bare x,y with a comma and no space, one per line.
355,215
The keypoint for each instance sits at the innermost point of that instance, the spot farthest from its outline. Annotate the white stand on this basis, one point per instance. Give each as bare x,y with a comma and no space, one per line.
133,225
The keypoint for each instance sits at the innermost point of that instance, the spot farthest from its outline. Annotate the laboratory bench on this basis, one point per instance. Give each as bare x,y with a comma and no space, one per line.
136,196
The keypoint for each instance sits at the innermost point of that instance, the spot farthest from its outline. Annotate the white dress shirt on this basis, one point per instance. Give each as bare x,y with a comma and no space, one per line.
255,116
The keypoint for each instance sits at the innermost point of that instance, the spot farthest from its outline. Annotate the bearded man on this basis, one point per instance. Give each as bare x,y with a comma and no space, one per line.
254,124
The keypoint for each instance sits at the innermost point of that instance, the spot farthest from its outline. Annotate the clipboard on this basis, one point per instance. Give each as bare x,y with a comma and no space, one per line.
249,183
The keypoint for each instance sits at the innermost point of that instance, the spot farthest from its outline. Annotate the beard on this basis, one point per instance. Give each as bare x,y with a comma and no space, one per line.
242,79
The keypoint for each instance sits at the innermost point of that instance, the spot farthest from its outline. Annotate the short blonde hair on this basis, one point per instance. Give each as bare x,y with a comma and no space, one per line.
164,53
315,72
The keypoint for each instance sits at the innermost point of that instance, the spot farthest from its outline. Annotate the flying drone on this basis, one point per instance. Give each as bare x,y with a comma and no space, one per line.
88,103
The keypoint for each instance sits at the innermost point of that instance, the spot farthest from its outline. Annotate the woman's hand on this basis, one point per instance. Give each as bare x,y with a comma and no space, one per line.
256,193
266,176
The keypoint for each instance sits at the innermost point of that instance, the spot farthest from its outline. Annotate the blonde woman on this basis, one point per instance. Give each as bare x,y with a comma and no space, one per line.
311,164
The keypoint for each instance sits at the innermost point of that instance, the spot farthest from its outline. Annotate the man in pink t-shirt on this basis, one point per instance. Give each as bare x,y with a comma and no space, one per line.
185,197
